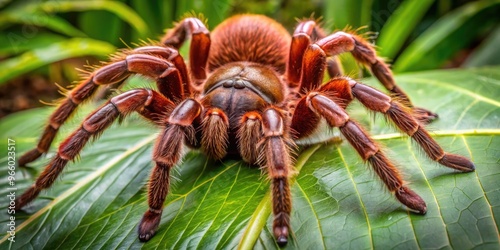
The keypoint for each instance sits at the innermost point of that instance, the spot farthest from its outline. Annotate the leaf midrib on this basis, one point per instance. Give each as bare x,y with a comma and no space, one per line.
263,210
359,197
442,133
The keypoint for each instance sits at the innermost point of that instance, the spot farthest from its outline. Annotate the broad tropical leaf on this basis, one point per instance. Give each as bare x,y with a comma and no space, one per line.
121,10
448,35
337,201
400,25
57,51
51,22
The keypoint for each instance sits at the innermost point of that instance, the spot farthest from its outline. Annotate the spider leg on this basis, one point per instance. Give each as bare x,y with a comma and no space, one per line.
166,153
168,78
199,48
306,33
275,155
148,103
265,134
314,63
171,55
320,105
402,118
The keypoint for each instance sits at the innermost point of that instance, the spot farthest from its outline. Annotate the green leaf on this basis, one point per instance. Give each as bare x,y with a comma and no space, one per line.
399,26
216,11
337,202
348,14
39,57
101,25
34,18
154,14
487,53
15,43
448,35
183,7
119,9
344,13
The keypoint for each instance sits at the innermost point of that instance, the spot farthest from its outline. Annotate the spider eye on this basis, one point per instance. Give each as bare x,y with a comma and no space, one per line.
228,83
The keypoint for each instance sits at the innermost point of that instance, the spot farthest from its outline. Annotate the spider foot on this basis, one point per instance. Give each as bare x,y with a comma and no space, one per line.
281,234
29,156
26,197
149,225
457,162
411,199
424,116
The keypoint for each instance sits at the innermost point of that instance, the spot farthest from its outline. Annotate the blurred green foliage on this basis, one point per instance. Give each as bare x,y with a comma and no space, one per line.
413,35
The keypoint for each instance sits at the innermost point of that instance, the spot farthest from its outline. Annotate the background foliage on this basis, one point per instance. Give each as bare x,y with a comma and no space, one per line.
414,35
48,39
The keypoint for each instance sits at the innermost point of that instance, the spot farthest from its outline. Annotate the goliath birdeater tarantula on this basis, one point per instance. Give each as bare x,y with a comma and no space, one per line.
250,89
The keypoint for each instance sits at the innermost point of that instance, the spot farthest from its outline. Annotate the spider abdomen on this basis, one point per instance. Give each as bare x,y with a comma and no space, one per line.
251,38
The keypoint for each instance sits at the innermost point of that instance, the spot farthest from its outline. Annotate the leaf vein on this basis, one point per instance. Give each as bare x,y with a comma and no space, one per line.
315,214
432,192
482,188
194,214
98,233
119,225
83,182
222,205
359,197
68,211
79,239
238,214
462,115
455,88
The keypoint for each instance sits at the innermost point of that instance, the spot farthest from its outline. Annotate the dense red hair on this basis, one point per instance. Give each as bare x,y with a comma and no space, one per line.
253,38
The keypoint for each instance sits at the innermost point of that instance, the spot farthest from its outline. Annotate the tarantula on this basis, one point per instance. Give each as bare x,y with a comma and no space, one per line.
252,90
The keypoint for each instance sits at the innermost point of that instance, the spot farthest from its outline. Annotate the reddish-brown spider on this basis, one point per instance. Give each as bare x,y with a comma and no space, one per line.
250,89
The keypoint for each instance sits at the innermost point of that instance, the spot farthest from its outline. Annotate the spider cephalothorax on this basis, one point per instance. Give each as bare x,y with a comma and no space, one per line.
250,89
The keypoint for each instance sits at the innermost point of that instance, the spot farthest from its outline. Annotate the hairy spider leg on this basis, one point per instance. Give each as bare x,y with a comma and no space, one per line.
199,48
152,105
400,116
276,159
314,63
148,61
166,153
305,34
172,91
318,105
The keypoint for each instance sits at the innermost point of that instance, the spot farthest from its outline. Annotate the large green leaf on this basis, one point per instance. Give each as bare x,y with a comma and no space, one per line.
54,23
486,53
352,13
337,202
57,51
399,26
121,10
14,43
449,35
216,11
